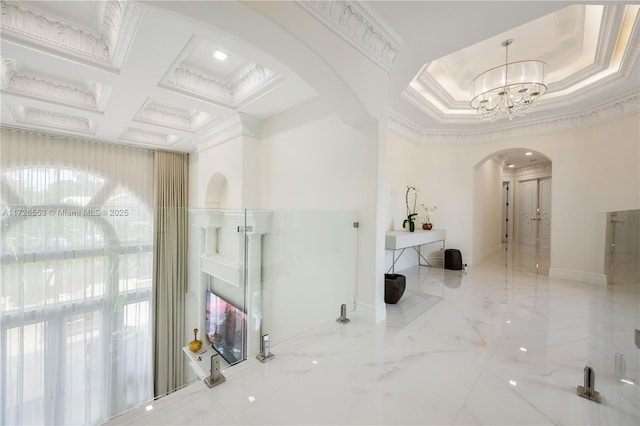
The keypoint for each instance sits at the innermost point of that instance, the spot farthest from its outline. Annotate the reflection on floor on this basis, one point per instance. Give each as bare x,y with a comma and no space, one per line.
500,343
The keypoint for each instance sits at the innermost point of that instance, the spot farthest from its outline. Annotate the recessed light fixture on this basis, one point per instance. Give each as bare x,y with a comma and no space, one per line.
511,166
149,407
251,398
528,153
512,382
220,55
523,349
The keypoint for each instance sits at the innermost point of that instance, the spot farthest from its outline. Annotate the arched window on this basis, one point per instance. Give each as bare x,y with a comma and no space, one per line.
75,299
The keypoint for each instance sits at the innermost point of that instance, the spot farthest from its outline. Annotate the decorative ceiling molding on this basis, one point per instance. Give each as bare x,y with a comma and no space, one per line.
179,119
194,81
105,45
616,54
40,117
253,80
134,134
612,110
250,80
403,127
28,83
361,26
540,169
465,114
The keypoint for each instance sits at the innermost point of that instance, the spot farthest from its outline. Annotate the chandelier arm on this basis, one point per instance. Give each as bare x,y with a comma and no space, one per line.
509,99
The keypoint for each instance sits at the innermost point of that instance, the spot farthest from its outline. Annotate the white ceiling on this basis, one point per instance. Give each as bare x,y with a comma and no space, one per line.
587,49
133,73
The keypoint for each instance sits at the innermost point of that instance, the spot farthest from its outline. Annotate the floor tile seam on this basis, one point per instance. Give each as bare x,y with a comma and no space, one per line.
471,389
289,346
487,369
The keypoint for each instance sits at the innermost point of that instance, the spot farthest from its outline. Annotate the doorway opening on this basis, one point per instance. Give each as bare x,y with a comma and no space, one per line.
526,197
524,177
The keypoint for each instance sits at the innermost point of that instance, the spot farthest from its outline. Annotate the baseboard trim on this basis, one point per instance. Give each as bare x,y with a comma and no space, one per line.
370,313
581,276
479,258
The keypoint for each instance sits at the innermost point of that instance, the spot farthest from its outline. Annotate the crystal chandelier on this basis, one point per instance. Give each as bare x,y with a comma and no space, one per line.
508,90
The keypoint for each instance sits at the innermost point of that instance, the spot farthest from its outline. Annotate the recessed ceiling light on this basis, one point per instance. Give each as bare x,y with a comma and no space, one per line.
523,349
149,407
528,153
220,55
513,382
511,166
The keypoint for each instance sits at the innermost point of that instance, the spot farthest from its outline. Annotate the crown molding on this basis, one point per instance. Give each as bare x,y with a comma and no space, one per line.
255,80
27,22
541,170
617,108
90,96
403,127
361,26
196,82
107,45
174,118
632,53
135,134
247,85
41,117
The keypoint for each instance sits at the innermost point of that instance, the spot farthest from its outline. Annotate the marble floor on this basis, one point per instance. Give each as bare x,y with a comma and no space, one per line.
499,344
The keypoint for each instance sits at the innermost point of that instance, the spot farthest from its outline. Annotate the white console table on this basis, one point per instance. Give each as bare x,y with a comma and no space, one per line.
401,240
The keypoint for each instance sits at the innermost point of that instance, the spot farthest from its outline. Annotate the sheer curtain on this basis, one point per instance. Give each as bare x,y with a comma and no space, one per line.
170,268
76,279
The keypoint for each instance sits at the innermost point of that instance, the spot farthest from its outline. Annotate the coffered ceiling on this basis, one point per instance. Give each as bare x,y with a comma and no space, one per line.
131,73
144,74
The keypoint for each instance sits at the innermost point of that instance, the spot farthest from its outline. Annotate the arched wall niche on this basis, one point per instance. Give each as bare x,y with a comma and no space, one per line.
217,195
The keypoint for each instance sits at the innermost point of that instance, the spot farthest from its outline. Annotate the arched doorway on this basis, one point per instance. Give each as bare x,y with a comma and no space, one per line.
524,177
527,183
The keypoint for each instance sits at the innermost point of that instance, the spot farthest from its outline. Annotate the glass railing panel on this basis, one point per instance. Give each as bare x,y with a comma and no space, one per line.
287,272
613,309
216,299
308,271
622,268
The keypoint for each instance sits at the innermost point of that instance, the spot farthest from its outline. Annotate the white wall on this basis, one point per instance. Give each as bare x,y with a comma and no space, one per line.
311,159
306,158
444,176
487,217
595,169
226,159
